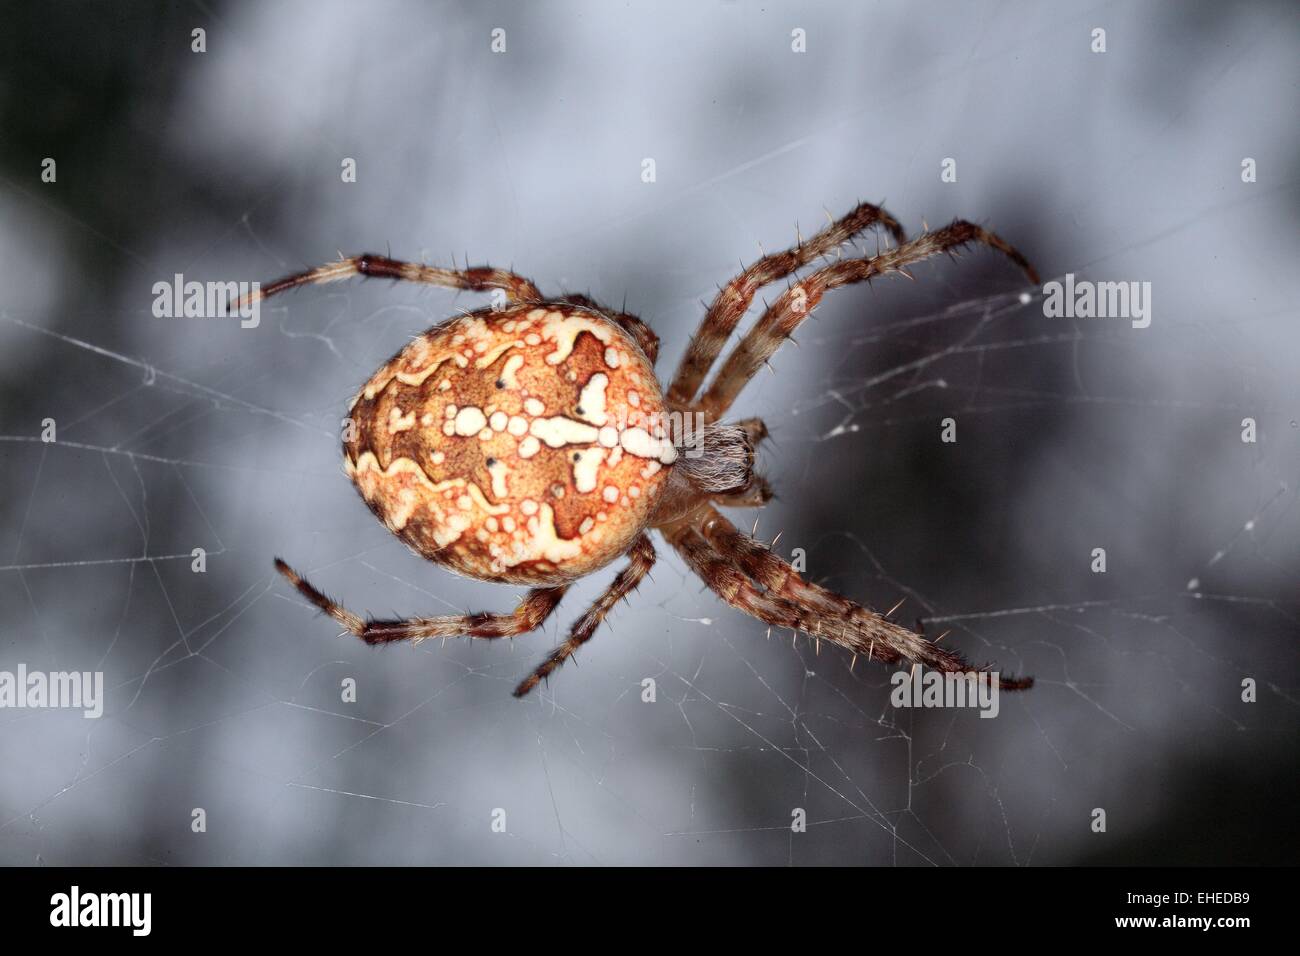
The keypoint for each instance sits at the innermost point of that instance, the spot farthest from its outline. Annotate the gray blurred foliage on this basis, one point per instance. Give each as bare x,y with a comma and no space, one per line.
173,434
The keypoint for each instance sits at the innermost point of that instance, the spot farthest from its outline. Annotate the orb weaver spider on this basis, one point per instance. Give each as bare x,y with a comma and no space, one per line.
531,443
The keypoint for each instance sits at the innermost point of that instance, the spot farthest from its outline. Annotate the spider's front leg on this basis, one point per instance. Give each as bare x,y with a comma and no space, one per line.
641,559
754,495
794,305
735,298
752,578
535,608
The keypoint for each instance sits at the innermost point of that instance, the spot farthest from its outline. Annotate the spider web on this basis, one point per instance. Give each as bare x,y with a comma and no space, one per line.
225,692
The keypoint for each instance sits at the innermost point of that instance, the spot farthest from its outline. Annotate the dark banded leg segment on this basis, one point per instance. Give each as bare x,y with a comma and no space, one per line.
535,608
477,279
641,560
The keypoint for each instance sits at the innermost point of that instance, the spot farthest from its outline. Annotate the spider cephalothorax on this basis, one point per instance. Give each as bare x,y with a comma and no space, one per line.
531,443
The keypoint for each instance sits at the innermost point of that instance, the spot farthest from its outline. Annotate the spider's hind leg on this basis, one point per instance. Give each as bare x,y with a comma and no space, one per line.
641,559
536,606
369,265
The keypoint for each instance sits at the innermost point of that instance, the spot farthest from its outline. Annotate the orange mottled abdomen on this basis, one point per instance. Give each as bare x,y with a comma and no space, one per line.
525,445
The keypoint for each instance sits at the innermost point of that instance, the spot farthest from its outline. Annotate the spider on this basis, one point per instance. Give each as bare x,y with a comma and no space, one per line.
531,443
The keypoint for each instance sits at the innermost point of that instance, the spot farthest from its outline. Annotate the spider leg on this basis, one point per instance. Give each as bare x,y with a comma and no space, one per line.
641,333
478,279
795,304
754,495
725,578
752,578
641,558
755,429
734,299
536,606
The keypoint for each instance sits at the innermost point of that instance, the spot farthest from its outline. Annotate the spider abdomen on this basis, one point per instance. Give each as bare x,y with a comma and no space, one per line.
527,444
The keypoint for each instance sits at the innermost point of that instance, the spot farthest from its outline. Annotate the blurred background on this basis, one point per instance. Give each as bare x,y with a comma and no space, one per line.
225,691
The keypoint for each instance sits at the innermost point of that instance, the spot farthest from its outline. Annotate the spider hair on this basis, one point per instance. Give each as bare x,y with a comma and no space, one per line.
721,461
